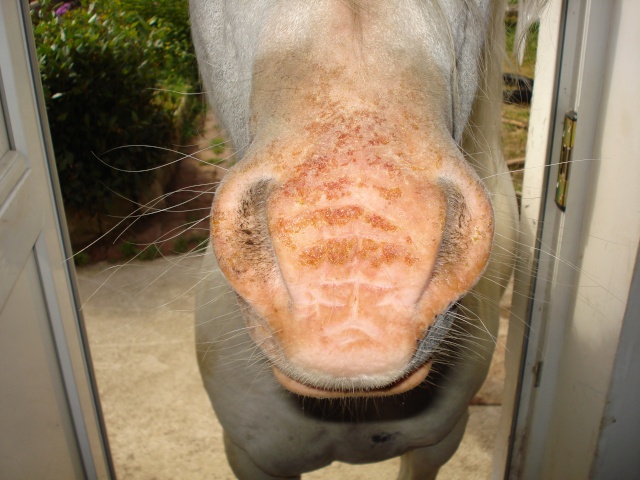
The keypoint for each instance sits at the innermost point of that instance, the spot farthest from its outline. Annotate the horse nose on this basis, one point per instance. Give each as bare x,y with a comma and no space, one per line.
348,256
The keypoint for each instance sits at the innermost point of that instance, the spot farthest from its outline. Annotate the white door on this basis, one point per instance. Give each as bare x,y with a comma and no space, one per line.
49,420
572,385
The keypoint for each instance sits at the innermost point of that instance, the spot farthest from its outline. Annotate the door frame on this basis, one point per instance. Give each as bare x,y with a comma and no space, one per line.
544,347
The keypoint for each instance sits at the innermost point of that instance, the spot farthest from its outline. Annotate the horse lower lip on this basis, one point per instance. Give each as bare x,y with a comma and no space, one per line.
405,384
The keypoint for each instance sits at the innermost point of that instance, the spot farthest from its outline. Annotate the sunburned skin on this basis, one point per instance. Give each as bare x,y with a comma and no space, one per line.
370,225
352,229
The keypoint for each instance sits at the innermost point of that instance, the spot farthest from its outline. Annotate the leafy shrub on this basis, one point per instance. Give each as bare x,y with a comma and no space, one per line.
171,14
194,243
81,258
150,252
129,249
101,66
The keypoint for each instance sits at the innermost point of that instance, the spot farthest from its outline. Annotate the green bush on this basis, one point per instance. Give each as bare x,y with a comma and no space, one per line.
103,67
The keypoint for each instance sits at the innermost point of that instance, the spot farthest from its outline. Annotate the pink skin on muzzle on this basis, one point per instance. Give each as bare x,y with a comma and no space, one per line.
351,223
347,250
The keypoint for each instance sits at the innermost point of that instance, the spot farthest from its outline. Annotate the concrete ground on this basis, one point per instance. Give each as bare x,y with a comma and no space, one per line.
159,421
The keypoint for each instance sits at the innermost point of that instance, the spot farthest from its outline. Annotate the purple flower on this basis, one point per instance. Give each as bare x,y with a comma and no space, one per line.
63,9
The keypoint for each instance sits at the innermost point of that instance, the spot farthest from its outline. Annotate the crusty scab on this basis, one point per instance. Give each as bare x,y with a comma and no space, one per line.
364,251
333,217
389,193
253,239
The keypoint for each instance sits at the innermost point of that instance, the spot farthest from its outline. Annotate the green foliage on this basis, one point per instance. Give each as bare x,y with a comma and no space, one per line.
102,66
180,245
217,145
171,14
194,243
129,250
529,60
81,258
150,252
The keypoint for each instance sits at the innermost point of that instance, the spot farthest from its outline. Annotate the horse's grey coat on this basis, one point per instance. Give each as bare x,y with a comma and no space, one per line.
269,432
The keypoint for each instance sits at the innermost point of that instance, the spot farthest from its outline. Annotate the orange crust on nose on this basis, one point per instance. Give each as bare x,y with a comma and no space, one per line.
355,218
345,250
332,216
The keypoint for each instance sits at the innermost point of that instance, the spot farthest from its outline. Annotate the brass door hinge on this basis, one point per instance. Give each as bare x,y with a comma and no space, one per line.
566,154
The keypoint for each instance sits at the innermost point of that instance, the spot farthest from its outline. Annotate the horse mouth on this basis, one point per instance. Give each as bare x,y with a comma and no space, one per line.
402,385
412,375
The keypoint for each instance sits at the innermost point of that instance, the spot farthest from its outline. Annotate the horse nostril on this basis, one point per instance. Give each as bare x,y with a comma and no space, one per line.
251,221
240,231
456,223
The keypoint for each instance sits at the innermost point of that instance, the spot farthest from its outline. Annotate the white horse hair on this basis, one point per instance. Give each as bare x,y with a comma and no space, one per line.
269,432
